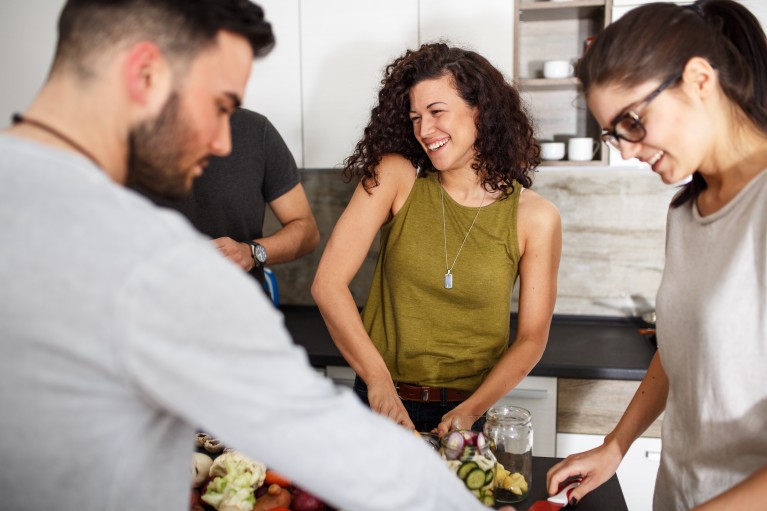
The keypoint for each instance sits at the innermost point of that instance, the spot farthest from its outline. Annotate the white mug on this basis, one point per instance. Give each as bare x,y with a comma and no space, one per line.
557,69
581,149
552,150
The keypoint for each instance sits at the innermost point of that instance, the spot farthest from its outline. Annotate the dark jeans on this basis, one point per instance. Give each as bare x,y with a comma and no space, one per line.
425,416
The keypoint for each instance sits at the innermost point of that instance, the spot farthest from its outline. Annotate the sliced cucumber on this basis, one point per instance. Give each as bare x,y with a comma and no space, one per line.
464,469
489,476
475,479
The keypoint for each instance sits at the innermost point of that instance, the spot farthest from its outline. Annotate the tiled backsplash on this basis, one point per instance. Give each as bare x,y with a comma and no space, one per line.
613,223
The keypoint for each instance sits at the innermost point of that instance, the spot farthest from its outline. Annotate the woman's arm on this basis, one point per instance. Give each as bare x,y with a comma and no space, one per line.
539,230
749,494
346,249
599,464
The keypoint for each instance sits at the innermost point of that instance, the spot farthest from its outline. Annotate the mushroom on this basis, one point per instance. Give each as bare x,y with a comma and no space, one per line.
200,467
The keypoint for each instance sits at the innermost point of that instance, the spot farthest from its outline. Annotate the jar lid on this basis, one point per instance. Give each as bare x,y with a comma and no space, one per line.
509,413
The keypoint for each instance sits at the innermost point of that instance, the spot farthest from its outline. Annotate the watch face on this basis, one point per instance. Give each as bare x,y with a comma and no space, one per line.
260,253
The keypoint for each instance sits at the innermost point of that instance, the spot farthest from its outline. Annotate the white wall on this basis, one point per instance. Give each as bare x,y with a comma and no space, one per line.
27,41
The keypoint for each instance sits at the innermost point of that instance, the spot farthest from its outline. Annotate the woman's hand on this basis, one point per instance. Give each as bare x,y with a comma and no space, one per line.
384,400
595,466
455,419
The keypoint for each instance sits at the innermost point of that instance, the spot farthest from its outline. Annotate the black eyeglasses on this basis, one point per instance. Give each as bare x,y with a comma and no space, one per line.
628,126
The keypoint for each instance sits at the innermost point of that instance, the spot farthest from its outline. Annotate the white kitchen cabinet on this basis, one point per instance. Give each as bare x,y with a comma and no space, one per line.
485,27
538,395
274,88
345,45
636,472
341,375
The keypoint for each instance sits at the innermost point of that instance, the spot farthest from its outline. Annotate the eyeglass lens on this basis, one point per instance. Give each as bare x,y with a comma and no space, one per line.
630,128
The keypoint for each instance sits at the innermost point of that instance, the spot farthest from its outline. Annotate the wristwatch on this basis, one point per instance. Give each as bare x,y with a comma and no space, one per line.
258,252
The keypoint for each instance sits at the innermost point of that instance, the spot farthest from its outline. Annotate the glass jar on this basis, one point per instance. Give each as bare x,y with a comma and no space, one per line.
510,434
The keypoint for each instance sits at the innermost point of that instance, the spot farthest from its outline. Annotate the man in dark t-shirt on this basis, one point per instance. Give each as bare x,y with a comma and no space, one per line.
228,202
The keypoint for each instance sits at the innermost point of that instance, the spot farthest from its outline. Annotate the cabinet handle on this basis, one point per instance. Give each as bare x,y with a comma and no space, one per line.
529,393
652,455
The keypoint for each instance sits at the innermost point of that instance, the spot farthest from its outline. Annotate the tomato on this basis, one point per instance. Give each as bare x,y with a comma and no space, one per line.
273,477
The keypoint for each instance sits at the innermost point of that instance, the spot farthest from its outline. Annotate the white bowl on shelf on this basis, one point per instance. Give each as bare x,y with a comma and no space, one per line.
552,151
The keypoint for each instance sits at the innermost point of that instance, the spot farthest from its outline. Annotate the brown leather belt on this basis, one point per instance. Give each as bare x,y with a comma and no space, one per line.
425,394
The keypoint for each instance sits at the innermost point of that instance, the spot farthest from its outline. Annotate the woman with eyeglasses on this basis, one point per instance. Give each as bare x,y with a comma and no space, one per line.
684,89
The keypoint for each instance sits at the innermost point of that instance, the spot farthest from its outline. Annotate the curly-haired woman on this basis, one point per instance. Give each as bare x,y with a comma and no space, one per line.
443,168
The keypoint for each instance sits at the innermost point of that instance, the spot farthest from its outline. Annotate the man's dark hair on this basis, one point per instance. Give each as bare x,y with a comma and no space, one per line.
180,28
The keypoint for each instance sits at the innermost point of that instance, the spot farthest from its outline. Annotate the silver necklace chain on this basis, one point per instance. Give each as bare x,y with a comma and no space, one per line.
449,273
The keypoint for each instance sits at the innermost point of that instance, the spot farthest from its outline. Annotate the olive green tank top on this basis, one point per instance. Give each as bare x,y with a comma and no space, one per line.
427,334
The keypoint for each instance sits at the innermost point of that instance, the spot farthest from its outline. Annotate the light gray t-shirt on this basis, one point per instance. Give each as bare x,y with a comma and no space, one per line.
122,330
712,339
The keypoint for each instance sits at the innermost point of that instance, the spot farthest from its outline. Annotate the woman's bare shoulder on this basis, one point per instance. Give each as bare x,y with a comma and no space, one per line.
396,175
537,213
396,166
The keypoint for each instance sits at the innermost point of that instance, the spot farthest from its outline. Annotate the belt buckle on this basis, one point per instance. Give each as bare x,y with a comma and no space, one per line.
425,394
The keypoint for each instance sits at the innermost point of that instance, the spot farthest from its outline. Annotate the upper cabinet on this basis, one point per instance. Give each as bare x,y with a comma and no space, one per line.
321,81
345,45
274,88
552,30
485,27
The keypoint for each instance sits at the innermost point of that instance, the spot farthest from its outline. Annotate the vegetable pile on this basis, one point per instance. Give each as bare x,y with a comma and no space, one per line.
226,480
468,454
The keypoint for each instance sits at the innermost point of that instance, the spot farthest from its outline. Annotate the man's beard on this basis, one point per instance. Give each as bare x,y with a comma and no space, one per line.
156,150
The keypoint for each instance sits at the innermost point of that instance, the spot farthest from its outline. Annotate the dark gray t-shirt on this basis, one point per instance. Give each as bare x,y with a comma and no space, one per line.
230,197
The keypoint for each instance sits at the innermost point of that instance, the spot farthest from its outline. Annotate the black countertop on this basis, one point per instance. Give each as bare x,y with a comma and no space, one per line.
579,346
608,497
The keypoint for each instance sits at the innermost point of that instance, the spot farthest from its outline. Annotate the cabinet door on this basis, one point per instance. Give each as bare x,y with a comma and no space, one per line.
274,88
485,27
637,471
341,375
345,45
538,395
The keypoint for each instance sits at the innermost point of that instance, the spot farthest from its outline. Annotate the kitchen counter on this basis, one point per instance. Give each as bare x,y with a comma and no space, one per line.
608,497
579,346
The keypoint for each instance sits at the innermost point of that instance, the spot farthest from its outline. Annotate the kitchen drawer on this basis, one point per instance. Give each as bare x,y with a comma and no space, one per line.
341,375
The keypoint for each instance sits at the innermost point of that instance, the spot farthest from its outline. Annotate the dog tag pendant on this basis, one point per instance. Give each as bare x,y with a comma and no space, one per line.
448,280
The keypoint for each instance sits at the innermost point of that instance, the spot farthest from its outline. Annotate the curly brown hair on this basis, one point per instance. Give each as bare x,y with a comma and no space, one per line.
506,149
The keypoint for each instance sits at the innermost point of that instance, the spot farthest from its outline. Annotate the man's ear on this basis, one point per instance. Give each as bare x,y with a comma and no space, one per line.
147,76
701,74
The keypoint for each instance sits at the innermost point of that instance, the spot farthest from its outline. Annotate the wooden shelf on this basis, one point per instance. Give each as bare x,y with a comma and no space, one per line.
560,4
569,163
550,10
548,83
557,30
